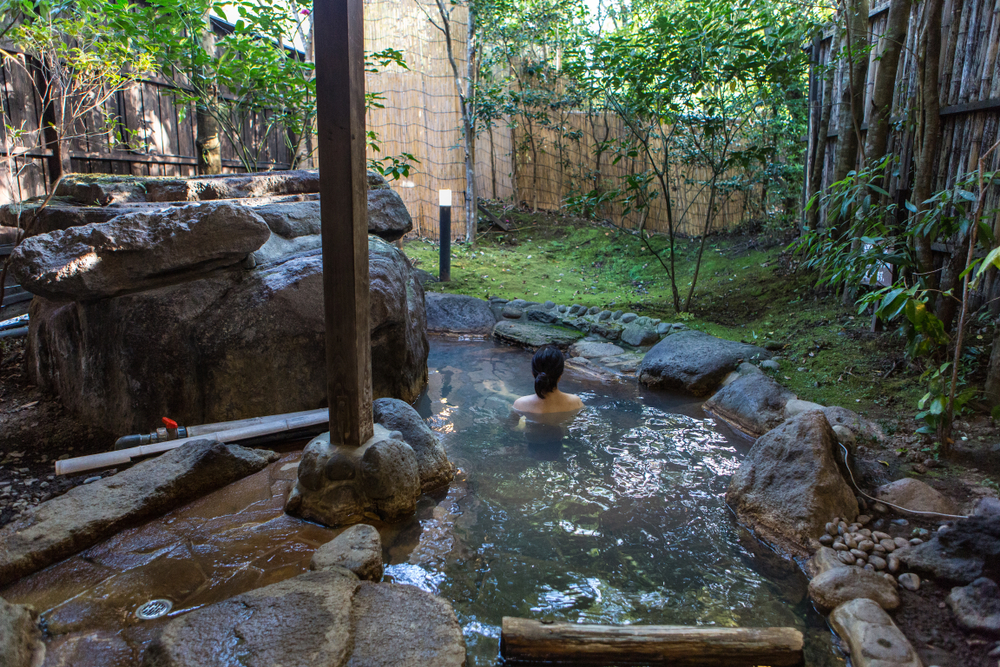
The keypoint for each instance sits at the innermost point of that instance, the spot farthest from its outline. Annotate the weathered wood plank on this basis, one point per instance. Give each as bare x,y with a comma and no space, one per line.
529,641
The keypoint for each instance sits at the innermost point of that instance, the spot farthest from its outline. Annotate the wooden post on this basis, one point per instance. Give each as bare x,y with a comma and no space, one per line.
340,112
527,641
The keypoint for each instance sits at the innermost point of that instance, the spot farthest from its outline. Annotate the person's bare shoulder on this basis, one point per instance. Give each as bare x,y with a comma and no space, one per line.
526,403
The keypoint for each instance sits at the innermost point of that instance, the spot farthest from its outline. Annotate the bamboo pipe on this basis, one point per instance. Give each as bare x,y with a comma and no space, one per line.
527,641
275,424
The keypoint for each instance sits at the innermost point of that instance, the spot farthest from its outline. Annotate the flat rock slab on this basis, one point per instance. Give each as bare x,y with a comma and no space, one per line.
20,639
916,495
838,585
695,361
873,638
593,350
789,484
753,402
532,334
960,553
977,606
402,626
104,189
458,313
358,549
137,250
305,621
89,513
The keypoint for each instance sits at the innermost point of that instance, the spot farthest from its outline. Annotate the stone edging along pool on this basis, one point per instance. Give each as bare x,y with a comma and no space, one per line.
789,491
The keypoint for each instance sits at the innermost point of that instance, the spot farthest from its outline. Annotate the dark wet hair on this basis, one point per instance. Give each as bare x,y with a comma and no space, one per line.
547,367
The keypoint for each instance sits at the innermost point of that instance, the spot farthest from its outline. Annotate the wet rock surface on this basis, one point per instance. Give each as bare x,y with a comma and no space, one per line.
20,638
434,468
387,214
137,251
403,626
789,485
232,345
358,549
305,621
694,361
90,513
873,639
457,313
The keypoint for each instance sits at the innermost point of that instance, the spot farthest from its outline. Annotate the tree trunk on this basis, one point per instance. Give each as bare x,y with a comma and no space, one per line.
207,143
852,95
885,80
469,123
928,132
819,157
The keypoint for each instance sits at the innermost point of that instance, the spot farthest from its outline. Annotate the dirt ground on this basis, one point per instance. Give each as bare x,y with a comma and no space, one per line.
34,433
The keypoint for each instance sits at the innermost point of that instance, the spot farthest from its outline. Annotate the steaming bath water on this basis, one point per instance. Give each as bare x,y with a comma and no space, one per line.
617,516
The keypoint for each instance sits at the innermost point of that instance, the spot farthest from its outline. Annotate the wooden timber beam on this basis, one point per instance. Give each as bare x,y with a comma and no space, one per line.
527,641
340,107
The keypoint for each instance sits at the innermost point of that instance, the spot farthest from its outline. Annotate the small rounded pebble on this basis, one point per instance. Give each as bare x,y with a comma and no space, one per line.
888,545
878,562
920,532
825,539
880,508
915,541
850,542
900,522
831,529
866,545
879,535
863,519
846,558
879,549
854,527
892,579
858,553
900,542
836,520
893,562
869,567
865,532
909,581
840,546
91,480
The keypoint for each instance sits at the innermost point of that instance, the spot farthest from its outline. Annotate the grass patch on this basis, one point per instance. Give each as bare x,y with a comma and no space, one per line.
748,289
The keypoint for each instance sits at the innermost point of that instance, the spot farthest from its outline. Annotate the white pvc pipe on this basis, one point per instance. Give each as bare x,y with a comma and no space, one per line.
269,425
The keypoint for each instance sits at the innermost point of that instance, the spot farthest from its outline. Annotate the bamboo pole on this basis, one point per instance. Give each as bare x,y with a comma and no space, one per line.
528,641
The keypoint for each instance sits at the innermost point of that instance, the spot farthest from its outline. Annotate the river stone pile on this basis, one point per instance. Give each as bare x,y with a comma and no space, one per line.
207,311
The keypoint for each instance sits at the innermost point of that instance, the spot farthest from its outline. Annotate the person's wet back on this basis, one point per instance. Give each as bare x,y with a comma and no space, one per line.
547,367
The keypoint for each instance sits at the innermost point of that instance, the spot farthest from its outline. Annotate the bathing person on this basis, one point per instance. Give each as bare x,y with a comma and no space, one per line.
547,367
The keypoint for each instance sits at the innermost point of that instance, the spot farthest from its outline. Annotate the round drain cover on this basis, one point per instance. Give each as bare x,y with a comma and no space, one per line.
154,609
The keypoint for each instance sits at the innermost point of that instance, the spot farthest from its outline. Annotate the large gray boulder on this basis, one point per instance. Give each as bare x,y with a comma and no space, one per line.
960,553
753,402
306,621
89,513
457,313
20,639
694,361
434,467
789,486
137,251
872,637
403,626
232,345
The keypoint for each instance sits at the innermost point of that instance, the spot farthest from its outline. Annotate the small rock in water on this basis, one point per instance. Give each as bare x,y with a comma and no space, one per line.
909,581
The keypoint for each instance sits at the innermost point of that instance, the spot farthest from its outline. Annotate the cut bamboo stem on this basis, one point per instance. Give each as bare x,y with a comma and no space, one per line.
528,641
259,427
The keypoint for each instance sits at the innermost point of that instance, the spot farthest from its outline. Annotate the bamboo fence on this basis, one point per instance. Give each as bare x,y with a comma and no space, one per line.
968,92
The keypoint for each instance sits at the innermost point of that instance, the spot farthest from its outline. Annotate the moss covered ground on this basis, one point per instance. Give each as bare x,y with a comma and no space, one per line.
749,289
